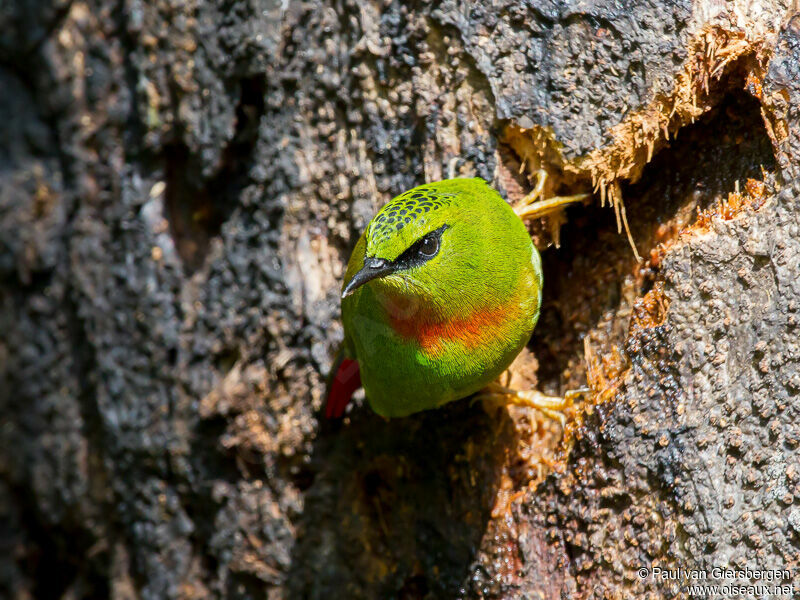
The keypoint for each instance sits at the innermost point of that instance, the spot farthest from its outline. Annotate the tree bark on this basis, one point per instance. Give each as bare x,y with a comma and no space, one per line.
180,186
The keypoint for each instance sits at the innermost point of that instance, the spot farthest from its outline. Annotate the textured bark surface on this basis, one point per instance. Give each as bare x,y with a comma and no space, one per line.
180,186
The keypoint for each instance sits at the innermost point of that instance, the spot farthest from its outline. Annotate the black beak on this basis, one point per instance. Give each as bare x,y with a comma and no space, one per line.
373,268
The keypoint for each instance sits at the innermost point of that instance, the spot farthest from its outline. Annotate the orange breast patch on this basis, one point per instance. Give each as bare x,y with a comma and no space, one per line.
471,331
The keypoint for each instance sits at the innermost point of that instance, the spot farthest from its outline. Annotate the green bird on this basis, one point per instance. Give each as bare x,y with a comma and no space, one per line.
442,291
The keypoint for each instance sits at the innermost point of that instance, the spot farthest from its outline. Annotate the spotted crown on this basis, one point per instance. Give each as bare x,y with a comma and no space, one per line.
405,208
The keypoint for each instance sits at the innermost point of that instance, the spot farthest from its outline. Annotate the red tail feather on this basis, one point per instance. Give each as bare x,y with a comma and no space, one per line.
346,381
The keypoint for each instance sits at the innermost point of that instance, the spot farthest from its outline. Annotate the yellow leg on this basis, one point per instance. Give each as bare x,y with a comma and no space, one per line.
550,406
532,206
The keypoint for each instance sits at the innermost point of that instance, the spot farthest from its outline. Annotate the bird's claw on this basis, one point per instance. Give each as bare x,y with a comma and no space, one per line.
533,206
551,406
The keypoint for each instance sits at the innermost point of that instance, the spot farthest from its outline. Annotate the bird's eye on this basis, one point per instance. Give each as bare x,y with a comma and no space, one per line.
421,251
429,246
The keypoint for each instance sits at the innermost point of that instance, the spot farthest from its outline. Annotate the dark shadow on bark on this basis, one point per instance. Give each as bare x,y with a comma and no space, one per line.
197,208
398,508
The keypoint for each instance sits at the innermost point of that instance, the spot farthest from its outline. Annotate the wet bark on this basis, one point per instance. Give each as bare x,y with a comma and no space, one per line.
180,186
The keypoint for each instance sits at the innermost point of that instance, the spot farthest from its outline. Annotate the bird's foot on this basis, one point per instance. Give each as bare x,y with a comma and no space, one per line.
533,206
550,406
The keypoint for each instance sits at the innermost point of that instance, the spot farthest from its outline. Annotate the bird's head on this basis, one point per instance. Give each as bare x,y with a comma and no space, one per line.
404,240
438,242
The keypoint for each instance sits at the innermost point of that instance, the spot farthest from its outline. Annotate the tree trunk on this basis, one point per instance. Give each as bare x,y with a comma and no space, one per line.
181,183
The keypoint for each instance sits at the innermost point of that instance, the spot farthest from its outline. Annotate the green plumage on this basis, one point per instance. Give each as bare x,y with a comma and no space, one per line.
428,328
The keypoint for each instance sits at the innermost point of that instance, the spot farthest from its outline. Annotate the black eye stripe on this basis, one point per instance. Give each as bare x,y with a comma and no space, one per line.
414,255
